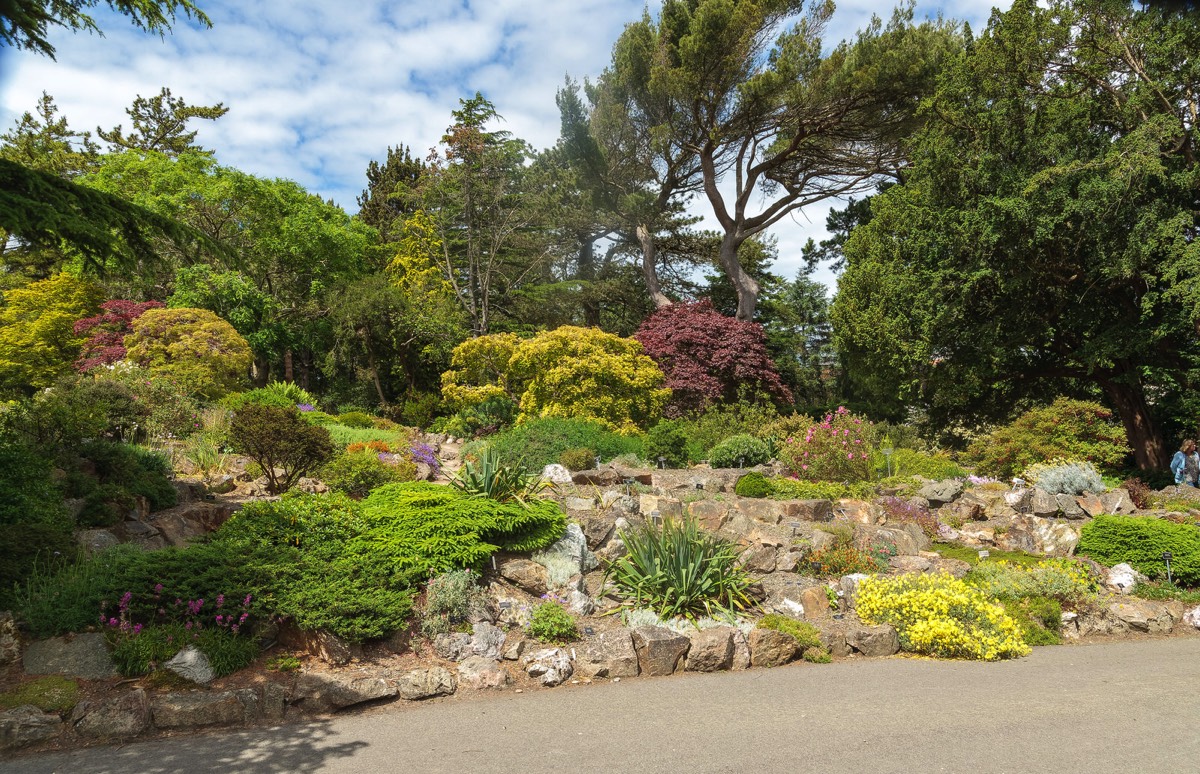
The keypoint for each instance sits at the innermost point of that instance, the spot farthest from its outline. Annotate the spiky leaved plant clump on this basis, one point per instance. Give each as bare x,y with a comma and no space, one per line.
679,570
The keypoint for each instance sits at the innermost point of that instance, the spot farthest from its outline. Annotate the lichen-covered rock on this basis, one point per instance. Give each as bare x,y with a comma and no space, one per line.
326,692
941,492
608,654
759,559
527,575
552,666
452,646
425,683
10,642
26,725
1142,616
119,717
85,656
197,708
660,651
482,673
770,648
879,640
711,650
487,640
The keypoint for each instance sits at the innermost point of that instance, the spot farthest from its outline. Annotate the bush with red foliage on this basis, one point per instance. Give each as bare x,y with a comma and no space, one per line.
707,356
106,332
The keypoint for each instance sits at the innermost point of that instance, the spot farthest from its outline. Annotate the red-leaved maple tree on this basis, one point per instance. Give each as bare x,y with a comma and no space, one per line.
106,332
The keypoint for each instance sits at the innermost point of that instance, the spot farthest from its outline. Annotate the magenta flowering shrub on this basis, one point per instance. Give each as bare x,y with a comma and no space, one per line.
141,646
835,449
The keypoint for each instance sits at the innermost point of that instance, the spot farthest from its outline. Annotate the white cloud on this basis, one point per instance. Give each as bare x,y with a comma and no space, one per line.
316,90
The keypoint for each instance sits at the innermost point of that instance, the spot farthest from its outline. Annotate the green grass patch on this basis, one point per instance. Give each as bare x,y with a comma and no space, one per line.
971,555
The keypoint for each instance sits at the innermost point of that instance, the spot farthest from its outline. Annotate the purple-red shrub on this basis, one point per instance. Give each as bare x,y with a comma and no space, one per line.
106,332
707,356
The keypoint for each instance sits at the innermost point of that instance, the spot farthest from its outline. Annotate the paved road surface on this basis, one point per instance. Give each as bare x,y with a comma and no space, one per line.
1119,707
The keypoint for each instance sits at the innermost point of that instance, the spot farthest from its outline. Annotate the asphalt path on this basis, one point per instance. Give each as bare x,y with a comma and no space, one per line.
1128,706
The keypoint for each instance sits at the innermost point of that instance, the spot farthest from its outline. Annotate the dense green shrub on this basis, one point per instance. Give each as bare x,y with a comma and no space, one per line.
345,436
551,623
427,528
192,347
540,442
277,394
480,419
753,484
357,473
450,600
666,444
140,653
580,458
910,462
1140,542
280,442
137,470
357,419
792,489
1073,429
739,451
748,416
677,569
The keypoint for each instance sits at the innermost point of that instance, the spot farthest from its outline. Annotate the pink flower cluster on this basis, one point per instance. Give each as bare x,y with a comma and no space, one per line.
834,449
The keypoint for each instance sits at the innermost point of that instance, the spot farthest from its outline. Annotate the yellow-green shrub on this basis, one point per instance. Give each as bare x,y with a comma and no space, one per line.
938,615
193,347
569,372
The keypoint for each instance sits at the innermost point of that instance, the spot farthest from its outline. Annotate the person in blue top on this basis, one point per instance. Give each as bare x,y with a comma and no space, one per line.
1186,464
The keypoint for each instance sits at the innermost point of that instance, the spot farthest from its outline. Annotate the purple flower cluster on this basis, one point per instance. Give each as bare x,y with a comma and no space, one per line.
306,407
423,453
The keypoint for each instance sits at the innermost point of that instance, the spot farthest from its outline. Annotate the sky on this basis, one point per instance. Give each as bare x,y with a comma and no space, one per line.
316,90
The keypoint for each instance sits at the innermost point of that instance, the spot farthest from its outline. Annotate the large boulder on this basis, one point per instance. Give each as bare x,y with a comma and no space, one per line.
770,648
181,525
85,656
452,646
711,650
608,654
573,546
758,559
1192,617
552,666
197,708
1142,616
482,673
556,474
1068,506
527,575
1043,504
1035,535
785,593
873,640
26,725
1117,501
660,651
1123,579
939,493
425,683
327,692
487,640
118,717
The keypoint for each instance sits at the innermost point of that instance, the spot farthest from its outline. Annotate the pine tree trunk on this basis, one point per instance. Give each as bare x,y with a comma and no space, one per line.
650,267
1141,431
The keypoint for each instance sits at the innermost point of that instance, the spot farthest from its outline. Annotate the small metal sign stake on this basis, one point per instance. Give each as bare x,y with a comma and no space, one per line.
589,631
1167,558
656,518
662,463
493,562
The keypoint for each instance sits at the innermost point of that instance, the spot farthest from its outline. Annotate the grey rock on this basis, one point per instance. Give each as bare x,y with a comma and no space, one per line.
1117,501
941,492
196,708
326,692
597,528
788,561
580,603
426,683
770,648
906,542
512,611
552,666
573,545
1020,500
221,484
1069,508
120,717
960,511
251,703
274,701
808,510
84,655
873,640
660,651
10,642
910,564
711,650
741,651
608,654
191,664
515,644
1039,536
487,641
1142,616
454,646
1042,503
26,725
759,559
834,639
1192,617
96,540
848,586
526,574
482,673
